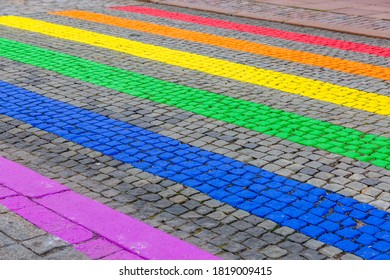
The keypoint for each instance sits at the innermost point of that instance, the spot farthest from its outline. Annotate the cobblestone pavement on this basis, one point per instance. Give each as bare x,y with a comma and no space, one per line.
249,139
364,17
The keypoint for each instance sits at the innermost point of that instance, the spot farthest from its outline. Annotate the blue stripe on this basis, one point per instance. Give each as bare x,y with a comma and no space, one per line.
329,217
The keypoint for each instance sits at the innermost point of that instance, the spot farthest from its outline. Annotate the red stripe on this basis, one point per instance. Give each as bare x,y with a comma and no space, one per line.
263,31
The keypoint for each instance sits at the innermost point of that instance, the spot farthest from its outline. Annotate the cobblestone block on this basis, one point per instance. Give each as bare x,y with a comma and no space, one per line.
17,228
271,238
330,251
274,252
44,244
5,240
66,254
298,237
241,225
269,225
17,252
313,244
350,257
310,254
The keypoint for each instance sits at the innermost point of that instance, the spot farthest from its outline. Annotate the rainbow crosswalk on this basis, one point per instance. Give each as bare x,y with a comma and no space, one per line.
319,90
332,218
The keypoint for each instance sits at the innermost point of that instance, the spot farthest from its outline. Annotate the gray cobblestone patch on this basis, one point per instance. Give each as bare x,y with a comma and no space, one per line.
21,240
5,240
310,254
17,252
330,251
350,257
274,252
66,254
18,229
313,244
44,244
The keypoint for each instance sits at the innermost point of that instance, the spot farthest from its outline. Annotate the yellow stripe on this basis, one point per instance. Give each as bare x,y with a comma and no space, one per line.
312,59
319,90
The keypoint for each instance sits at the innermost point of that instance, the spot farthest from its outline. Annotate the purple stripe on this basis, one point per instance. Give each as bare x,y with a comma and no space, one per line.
14,203
55,224
77,219
129,233
98,248
6,192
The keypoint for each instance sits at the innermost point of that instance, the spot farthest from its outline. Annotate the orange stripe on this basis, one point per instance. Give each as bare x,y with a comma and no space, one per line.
338,64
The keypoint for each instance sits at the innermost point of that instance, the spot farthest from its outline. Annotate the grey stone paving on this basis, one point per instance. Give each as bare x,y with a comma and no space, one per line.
173,208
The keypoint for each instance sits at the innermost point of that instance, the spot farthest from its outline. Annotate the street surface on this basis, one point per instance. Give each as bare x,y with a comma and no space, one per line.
134,130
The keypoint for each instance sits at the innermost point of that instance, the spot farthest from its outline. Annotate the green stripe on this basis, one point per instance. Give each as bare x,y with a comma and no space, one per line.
295,128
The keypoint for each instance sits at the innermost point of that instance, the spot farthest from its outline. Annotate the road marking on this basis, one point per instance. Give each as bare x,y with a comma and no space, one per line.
357,99
263,31
338,64
76,218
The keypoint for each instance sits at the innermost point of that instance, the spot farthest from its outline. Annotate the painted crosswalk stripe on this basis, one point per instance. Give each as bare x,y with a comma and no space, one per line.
263,31
293,127
338,64
332,218
77,219
323,91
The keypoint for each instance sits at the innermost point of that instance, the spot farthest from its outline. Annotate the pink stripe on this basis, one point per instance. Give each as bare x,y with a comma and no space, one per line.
6,192
53,223
129,233
14,203
98,248
93,228
263,31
